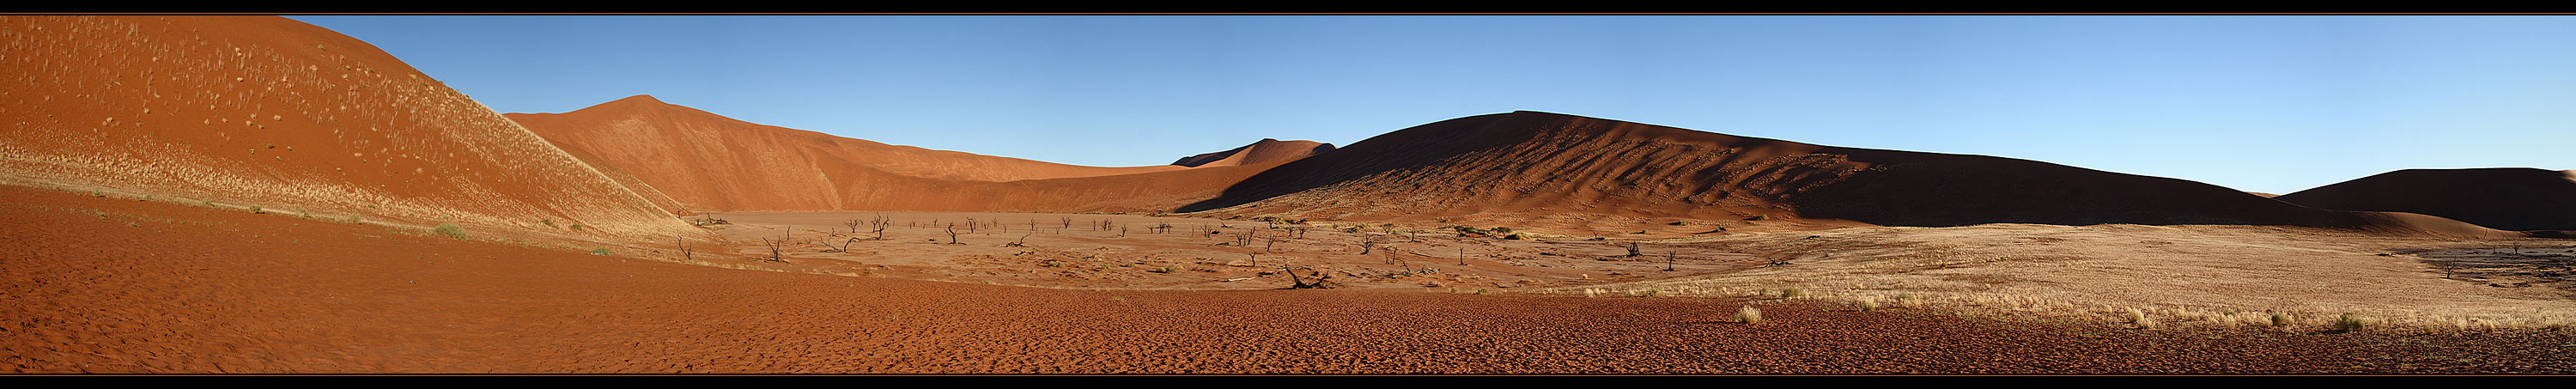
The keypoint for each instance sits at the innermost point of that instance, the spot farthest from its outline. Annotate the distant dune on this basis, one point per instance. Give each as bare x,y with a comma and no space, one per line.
2520,199
711,162
1544,163
1265,151
270,112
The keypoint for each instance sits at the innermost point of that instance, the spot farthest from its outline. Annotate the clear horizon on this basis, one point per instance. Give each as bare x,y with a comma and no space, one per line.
2272,104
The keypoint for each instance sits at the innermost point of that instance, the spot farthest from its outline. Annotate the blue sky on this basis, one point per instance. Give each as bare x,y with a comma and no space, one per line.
2258,103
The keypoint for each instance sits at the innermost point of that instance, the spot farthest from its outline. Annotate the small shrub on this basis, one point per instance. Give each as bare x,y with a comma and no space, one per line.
1680,223
576,227
450,230
2282,319
256,209
1759,218
1515,236
1869,304
599,251
550,223
1792,292
1748,315
2140,318
2347,323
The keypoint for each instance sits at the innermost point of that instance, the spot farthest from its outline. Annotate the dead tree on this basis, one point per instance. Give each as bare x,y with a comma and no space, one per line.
845,246
774,254
684,249
952,235
1024,242
970,225
1122,231
1301,283
1462,256
1632,249
1368,246
1068,223
854,225
1669,256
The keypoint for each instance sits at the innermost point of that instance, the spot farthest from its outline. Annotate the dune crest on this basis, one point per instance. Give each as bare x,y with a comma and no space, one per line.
270,112
714,162
1265,151
1535,163
2519,199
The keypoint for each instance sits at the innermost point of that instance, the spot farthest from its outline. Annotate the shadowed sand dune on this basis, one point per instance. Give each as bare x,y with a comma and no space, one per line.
2520,199
265,111
1264,151
1542,163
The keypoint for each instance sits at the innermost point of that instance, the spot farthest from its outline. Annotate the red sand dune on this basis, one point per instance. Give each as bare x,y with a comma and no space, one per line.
714,162
2520,199
1543,163
266,111
1265,151
711,162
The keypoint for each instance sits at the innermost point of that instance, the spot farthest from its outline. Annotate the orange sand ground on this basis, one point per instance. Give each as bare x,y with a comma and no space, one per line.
119,285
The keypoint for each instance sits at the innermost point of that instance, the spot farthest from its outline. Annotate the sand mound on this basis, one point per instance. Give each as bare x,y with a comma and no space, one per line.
270,112
711,162
1545,163
2520,199
714,162
1265,151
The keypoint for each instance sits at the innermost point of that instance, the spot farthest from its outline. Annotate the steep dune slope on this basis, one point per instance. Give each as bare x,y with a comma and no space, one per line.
711,162
715,162
1264,151
1544,163
2502,198
266,111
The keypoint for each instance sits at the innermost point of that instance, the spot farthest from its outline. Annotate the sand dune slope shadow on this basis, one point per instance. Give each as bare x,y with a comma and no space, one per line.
264,111
1535,162
2518,199
1265,151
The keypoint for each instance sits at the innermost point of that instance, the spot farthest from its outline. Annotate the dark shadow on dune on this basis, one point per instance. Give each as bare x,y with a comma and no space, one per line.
2501,198
1395,151
1918,189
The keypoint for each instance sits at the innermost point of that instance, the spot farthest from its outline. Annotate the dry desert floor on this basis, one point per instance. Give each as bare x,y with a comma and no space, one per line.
120,285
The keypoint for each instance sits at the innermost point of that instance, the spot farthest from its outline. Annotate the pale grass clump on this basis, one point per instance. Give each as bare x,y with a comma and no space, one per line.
1748,315
2140,318
1869,303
